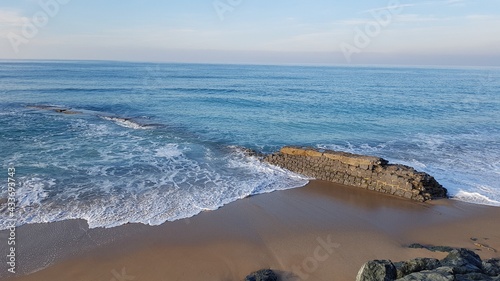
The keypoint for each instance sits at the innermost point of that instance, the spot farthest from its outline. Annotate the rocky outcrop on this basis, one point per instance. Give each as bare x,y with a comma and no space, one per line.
55,109
416,265
383,270
262,275
463,261
439,274
458,265
366,172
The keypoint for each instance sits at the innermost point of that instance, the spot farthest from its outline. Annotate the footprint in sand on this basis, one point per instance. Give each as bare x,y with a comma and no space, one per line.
481,245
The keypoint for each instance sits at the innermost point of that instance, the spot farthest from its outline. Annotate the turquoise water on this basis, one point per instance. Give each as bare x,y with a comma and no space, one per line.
158,142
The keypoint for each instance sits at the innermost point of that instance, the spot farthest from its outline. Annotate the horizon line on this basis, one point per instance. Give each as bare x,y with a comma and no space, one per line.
346,65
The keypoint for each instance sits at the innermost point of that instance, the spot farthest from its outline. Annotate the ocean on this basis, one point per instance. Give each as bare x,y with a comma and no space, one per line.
160,142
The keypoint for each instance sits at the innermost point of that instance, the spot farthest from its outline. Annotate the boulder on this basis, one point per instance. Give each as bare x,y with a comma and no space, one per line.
463,261
377,270
439,274
474,276
459,265
491,267
415,265
262,275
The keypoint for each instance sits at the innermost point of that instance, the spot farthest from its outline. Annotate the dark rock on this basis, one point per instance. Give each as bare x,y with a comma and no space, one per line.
250,152
54,108
262,275
460,265
377,270
431,248
440,249
66,111
473,276
463,261
440,274
491,267
416,265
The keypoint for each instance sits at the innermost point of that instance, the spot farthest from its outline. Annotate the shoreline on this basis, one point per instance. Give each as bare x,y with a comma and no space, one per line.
323,231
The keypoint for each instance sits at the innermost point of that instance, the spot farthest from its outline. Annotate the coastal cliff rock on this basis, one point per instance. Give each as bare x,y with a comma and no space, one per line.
366,172
458,265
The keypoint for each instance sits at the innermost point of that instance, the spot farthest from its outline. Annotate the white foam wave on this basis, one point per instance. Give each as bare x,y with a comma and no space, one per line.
32,191
475,197
169,151
171,183
127,123
466,164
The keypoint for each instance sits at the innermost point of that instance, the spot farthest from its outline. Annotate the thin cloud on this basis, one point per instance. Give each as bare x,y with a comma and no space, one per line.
481,17
413,18
350,22
404,18
453,3
457,3
387,7
9,18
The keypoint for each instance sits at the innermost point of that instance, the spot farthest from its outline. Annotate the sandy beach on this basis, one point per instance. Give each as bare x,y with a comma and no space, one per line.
322,231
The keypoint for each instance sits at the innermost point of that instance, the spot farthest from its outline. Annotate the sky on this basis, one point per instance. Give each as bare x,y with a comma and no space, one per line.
389,32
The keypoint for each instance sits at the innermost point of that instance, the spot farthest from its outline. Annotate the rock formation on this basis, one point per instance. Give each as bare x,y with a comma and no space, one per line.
55,109
460,265
366,172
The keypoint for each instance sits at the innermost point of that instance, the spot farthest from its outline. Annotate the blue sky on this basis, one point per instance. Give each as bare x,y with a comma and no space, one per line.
440,32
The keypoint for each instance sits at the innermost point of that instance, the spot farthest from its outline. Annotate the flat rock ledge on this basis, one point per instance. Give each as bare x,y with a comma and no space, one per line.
459,265
362,171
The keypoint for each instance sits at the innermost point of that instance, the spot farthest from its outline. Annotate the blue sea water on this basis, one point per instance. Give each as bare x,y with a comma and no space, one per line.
158,142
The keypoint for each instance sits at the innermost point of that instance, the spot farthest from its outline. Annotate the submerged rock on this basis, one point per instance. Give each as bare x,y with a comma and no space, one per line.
55,109
262,275
377,270
248,151
66,111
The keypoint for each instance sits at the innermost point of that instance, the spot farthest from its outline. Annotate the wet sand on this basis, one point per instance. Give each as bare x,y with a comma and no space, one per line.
322,231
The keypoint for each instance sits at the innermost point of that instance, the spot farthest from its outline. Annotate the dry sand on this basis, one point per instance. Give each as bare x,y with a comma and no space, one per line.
322,231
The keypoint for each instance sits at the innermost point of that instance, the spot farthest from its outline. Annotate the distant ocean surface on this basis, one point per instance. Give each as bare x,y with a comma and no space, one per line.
159,142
